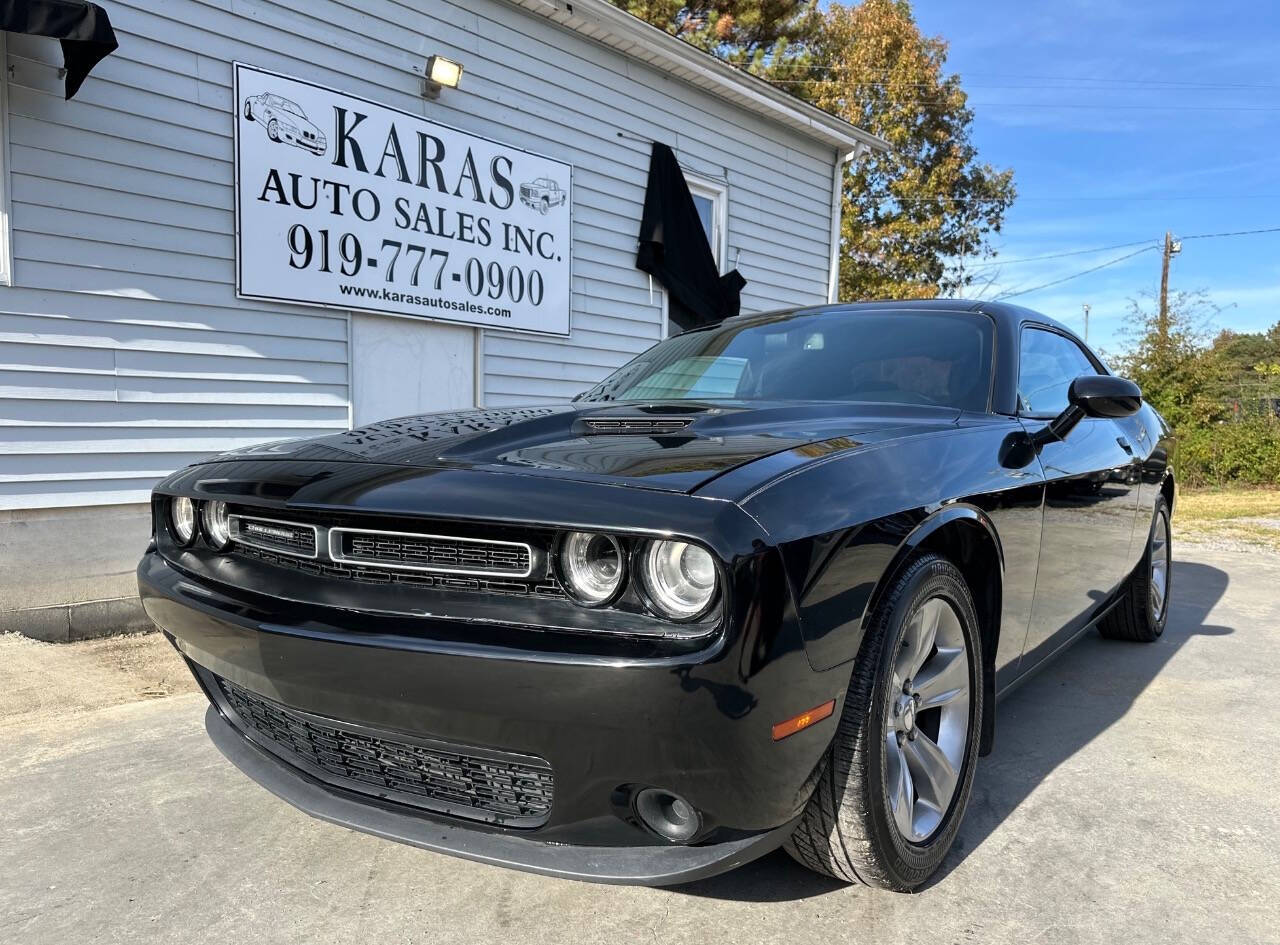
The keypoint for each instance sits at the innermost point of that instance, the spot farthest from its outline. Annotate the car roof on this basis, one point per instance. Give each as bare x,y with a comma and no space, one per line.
1010,316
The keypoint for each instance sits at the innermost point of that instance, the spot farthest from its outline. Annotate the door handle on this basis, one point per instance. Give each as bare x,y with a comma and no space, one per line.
1124,445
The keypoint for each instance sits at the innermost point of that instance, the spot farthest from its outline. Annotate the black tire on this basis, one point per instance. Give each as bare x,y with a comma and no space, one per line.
848,829
1136,617
248,110
273,130
546,206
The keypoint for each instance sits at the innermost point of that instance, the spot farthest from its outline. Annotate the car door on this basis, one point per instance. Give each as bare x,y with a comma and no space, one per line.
1091,494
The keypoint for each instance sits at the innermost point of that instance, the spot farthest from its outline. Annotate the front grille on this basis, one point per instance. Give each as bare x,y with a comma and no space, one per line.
416,552
290,538
445,582
475,783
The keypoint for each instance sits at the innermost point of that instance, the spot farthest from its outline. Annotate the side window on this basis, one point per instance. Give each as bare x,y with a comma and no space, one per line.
1047,364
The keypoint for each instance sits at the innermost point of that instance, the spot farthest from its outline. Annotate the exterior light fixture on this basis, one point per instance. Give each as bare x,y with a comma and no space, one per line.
441,73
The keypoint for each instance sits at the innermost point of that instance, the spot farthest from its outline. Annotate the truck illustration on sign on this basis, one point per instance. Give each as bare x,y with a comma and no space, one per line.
285,121
541,194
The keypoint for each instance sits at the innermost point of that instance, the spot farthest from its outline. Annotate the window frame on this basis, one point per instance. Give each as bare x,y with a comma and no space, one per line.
717,191
1098,366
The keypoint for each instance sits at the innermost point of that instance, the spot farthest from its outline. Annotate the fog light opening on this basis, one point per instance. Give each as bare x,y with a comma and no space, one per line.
668,815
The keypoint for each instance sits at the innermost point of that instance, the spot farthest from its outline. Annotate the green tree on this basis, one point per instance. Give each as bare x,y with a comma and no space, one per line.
757,34
1248,367
1209,391
1171,362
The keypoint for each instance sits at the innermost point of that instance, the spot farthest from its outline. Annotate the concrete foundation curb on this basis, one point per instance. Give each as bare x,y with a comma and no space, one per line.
88,620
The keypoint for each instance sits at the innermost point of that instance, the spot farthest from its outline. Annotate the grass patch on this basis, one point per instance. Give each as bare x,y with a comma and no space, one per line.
1242,517
1218,504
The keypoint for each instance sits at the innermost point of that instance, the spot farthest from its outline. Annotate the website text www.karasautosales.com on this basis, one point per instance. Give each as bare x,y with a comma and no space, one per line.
426,301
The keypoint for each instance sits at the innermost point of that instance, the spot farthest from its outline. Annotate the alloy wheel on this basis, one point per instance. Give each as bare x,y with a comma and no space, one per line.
927,719
1159,583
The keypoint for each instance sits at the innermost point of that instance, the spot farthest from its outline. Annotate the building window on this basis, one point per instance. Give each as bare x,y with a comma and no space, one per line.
711,198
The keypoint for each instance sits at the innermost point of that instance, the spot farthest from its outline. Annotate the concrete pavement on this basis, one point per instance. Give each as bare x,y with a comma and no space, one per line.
1131,797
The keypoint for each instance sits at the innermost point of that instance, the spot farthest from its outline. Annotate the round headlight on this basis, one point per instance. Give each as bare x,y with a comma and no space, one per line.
591,566
217,524
182,519
680,578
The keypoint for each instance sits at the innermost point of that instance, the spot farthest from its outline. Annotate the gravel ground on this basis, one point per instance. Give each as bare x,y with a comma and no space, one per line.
1131,798
46,681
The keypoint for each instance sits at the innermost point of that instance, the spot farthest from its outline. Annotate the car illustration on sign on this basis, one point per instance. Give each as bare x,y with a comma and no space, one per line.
761,587
542,194
285,121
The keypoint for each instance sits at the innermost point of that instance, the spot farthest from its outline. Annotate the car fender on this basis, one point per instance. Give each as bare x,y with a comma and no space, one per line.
844,585
919,536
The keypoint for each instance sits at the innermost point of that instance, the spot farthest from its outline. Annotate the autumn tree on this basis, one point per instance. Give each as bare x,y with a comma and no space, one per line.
909,214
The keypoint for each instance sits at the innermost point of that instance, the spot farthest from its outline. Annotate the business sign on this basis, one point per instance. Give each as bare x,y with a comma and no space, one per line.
346,203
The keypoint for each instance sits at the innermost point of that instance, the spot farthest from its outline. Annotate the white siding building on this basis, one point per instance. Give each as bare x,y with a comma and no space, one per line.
126,350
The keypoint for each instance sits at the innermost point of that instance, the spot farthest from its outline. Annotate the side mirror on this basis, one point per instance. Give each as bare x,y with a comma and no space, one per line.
1092,395
1103,395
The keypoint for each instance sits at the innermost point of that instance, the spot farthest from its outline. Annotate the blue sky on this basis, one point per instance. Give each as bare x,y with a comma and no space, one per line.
1121,120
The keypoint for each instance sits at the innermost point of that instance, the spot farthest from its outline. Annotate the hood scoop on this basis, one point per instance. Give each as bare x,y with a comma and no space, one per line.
637,426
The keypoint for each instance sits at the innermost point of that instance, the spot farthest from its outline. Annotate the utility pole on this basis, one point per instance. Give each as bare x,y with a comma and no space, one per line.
1086,322
1171,248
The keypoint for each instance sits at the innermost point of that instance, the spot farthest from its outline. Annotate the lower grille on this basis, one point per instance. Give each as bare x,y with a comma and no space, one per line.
474,783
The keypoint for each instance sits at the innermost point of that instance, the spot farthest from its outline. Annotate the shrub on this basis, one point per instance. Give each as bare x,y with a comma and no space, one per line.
1245,452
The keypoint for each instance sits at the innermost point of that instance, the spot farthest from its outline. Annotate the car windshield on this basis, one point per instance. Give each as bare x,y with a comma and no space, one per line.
291,107
882,356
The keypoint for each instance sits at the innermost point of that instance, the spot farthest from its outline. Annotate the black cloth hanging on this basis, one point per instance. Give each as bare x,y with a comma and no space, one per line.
674,249
84,29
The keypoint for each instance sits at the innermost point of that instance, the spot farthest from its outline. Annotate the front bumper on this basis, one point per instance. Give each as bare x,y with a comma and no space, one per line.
697,724
636,866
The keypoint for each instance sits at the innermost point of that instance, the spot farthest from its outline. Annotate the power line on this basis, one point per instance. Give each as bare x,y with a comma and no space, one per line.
1074,252
984,264
1145,244
1209,236
1077,275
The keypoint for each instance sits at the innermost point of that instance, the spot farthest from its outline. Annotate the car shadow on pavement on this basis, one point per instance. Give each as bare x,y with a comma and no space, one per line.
1050,717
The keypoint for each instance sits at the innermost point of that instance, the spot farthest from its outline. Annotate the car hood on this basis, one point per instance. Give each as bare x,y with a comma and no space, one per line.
674,447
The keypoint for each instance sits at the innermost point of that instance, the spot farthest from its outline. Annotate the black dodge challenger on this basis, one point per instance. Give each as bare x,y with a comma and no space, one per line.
761,587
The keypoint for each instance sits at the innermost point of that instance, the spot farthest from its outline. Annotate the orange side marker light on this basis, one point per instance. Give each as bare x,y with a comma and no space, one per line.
803,720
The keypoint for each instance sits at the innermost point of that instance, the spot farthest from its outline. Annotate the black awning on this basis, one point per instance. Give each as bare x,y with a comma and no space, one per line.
674,249
84,30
